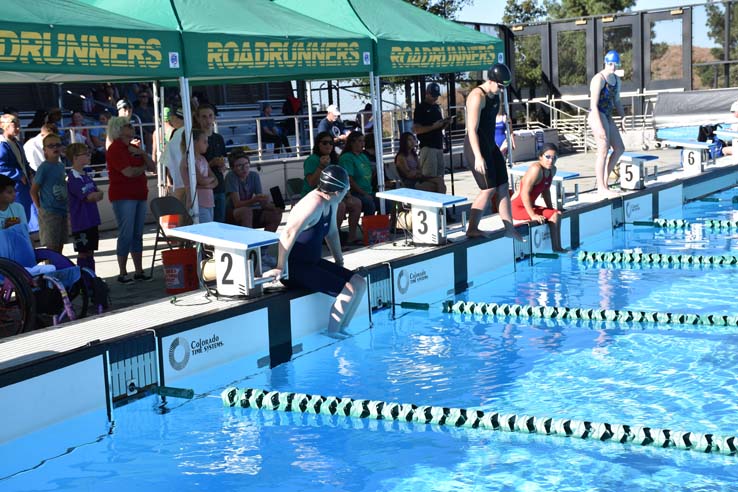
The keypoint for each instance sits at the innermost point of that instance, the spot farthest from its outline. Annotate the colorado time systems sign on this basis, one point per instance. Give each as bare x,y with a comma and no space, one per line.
426,276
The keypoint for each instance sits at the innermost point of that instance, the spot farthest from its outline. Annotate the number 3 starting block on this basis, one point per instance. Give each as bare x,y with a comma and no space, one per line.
428,210
237,254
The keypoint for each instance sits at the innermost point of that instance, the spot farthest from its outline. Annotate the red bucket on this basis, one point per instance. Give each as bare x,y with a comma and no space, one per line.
180,270
376,228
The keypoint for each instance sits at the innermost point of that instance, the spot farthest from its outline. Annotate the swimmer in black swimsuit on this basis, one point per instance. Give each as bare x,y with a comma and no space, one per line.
481,154
311,220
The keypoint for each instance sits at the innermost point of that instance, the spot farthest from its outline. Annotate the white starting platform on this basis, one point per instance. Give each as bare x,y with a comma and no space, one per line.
237,254
558,196
633,170
428,212
695,155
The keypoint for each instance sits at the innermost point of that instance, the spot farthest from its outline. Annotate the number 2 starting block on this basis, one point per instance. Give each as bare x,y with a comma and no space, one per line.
428,211
695,155
237,254
633,170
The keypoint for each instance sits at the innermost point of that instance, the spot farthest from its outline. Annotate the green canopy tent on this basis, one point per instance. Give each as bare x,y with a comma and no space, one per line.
257,40
67,40
407,41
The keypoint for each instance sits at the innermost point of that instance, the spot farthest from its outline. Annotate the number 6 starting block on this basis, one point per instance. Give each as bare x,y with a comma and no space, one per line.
428,210
237,254
695,155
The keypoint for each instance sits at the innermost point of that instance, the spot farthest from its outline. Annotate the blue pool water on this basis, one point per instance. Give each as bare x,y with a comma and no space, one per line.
676,377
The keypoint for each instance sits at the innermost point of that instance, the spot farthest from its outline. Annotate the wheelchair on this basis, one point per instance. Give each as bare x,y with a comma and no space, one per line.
52,292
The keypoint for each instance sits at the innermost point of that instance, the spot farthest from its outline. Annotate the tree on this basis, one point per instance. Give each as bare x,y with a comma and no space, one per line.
567,9
444,8
524,12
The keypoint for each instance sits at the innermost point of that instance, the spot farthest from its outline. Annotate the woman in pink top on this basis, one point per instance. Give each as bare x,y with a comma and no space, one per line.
537,182
206,180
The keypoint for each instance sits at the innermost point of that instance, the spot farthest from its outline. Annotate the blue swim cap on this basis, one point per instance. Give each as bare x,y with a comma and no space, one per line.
612,56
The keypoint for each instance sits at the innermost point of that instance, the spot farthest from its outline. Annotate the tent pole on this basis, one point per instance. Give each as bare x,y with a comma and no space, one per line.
158,128
376,97
184,91
450,138
309,92
507,129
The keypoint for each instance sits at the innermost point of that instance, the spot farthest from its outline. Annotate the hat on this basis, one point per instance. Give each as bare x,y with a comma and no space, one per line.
499,73
734,107
612,56
433,89
122,103
333,109
177,112
332,179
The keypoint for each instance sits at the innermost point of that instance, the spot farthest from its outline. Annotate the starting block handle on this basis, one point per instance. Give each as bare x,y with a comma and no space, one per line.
254,281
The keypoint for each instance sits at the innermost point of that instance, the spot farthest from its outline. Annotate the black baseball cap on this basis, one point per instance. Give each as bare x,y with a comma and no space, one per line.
122,103
433,89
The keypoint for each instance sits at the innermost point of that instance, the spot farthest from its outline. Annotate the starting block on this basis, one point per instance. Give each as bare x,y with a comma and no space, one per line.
428,212
237,254
695,155
728,135
633,170
558,197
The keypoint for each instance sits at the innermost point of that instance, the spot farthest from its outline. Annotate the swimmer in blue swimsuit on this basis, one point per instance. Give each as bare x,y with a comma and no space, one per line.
311,220
604,97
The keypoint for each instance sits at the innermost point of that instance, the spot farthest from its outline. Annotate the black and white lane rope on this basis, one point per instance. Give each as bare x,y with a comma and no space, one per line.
477,419
560,312
685,224
622,257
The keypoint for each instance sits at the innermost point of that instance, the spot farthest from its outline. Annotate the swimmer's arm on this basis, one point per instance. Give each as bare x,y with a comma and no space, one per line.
473,107
333,239
300,217
530,178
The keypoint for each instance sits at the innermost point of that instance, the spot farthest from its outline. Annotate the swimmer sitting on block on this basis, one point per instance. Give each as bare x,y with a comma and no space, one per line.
311,220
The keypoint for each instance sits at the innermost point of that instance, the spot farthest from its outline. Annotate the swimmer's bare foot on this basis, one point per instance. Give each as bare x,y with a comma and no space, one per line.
608,193
513,233
472,233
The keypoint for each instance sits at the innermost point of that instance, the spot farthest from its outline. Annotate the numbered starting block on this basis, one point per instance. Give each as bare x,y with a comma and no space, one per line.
558,196
428,211
633,170
237,254
695,155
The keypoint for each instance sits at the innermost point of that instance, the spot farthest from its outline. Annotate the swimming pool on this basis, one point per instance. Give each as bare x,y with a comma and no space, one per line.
678,377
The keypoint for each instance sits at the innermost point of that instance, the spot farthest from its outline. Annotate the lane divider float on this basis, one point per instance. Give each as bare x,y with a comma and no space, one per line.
655,258
561,312
477,419
685,224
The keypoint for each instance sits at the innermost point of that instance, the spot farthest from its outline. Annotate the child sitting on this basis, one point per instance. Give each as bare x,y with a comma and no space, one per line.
83,198
11,212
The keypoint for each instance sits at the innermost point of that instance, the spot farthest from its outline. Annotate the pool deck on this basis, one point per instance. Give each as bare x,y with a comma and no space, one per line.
144,305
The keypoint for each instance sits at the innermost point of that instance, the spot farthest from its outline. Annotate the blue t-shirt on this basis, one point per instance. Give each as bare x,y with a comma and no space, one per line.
52,187
246,189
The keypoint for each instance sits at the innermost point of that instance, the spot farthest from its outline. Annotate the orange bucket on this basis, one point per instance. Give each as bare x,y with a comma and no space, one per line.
180,270
376,228
169,221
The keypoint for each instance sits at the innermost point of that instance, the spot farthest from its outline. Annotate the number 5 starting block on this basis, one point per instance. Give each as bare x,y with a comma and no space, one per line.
428,210
237,254
633,170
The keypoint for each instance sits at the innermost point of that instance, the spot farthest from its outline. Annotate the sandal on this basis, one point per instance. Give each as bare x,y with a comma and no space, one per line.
124,279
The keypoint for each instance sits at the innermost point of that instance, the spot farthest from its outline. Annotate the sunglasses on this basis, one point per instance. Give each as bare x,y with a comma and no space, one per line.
54,146
326,142
550,157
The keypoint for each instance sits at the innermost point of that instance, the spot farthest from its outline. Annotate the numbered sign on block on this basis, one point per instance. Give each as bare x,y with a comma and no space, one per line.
232,270
429,225
632,174
694,160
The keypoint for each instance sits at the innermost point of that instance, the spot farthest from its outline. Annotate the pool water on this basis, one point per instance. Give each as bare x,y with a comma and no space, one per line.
675,377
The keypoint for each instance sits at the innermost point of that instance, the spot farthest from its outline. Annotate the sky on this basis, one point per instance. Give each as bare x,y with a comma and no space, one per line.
490,11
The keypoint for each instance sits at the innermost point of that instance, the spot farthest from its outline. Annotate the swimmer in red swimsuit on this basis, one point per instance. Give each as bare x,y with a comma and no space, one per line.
537,182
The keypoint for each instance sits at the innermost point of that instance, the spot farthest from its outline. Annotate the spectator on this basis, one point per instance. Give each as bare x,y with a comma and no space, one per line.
368,118
203,174
145,113
172,157
501,134
49,193
11,212
106,97
34,148
33,128
332,124
537,182
359,170
83,213
81,135
324,155
250,206
292,106
13,162
428,125
55,117
271,133
408,166
311,220
125,110
128,191
216,156
98,137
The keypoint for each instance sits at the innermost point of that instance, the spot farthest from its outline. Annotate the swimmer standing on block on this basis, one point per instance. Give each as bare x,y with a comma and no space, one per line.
311,220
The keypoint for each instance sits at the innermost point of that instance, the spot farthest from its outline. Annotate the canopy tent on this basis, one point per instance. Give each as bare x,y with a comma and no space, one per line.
67,40
407,41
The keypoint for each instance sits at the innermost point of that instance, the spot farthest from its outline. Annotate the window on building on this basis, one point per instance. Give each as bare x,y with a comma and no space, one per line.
666,50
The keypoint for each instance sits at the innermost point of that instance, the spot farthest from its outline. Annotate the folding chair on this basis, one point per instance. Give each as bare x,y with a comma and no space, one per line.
167,205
